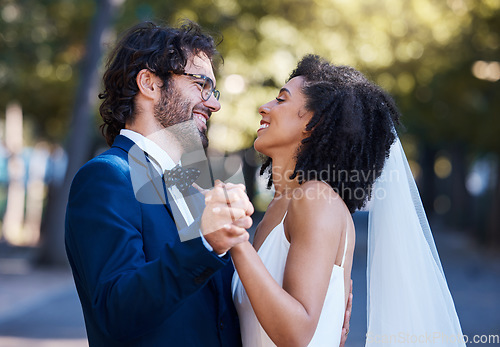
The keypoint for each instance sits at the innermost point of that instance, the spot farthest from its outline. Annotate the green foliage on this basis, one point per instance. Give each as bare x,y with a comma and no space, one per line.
422,51
41,43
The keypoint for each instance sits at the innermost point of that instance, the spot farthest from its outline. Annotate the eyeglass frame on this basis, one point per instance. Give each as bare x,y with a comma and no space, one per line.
205,79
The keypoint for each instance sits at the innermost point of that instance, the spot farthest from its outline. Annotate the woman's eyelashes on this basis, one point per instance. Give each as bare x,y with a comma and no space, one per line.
279,100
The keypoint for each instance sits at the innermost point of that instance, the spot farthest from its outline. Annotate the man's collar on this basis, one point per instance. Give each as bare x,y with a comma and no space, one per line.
154,151
123,143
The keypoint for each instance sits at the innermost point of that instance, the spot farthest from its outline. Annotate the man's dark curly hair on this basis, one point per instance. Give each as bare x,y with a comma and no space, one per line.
162,50
351,130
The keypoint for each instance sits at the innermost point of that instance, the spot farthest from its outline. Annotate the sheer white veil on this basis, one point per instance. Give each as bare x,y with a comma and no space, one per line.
408,298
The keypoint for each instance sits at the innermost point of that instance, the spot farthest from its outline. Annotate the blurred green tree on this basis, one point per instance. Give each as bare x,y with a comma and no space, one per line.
41,44
78,144
48,44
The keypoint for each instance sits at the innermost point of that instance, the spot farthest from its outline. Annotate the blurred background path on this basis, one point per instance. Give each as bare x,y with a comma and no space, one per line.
40,308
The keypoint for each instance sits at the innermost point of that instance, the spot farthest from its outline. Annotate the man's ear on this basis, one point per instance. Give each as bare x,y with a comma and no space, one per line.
149,84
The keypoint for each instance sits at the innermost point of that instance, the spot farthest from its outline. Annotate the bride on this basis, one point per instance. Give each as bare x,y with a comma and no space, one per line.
331,142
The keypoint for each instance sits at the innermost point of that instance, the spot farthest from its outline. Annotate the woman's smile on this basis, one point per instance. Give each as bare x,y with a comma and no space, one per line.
263,125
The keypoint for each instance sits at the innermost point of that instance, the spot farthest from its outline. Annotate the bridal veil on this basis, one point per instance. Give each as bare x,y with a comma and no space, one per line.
408,298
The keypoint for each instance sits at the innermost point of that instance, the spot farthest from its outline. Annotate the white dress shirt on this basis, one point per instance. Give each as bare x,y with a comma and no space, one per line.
165,162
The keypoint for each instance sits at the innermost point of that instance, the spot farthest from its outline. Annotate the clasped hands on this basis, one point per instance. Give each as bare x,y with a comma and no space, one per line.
226,216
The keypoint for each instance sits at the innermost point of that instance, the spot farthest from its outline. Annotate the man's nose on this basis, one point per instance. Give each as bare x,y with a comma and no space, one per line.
212,103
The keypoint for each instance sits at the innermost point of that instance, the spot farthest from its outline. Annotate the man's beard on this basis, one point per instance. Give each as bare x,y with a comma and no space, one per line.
172,109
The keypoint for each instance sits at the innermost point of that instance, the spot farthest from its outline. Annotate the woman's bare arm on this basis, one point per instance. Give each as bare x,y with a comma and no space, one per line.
314,223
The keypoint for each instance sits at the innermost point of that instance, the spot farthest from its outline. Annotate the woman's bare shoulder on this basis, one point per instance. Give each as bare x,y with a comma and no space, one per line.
317,195
316,206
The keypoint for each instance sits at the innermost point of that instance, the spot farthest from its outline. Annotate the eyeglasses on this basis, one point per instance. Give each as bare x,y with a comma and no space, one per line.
207,87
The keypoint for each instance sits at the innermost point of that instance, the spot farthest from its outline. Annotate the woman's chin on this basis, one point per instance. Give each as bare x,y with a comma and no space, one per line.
257,145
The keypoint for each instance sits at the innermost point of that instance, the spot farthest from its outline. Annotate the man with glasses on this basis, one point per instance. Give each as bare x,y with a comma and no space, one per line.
150,261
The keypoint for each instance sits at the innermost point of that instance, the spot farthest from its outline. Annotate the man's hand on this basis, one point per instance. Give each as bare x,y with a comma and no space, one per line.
347,318
226,216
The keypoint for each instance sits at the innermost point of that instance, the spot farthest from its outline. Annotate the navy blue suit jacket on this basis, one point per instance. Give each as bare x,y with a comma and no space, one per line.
138,284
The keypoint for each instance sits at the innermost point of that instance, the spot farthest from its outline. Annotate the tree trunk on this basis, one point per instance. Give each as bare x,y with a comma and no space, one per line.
493,232
52,250
427,183
461,209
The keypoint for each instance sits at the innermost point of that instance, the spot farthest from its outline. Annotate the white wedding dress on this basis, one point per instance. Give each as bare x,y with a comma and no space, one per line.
274,252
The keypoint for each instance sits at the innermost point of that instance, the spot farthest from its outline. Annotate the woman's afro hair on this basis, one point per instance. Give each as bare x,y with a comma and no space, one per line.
350,133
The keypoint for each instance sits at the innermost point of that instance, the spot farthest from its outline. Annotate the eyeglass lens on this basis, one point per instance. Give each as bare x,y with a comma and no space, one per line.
208,89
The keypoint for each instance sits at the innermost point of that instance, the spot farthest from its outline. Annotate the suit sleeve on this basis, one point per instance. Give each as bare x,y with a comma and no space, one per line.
126,295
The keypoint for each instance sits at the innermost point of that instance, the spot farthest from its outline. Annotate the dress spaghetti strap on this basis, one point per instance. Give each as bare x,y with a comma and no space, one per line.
345,250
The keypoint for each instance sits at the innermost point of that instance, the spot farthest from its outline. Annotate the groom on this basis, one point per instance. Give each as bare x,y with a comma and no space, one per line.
137,282
150,260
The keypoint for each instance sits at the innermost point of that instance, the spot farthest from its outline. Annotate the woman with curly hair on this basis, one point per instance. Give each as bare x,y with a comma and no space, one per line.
327,136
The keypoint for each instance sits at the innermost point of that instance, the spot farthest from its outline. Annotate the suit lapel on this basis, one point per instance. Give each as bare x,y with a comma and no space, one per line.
148,185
